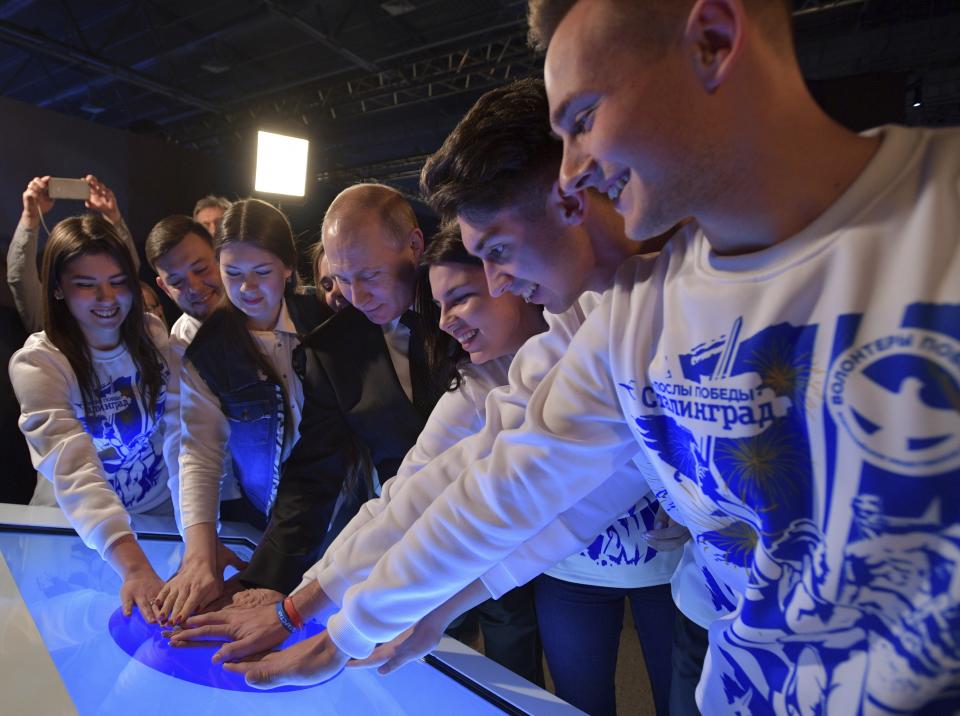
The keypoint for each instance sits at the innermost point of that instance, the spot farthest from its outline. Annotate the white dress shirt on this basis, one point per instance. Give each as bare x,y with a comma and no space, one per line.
397,337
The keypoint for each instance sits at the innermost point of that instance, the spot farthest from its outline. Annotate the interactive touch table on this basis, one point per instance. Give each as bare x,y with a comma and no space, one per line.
65,648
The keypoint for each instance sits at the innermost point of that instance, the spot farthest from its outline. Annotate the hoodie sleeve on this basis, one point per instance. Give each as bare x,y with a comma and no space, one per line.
572,439
60,447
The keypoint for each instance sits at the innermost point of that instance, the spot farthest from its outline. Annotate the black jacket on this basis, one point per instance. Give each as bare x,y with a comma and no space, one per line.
353,405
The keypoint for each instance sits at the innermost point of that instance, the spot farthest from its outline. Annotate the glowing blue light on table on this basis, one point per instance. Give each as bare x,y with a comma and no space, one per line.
145,643
72,595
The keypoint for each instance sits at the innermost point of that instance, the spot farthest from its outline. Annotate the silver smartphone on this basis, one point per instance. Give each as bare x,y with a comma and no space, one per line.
60,188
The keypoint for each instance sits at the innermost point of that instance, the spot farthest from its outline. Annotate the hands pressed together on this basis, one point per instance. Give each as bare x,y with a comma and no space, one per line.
197,585
253,633
251,629
140,585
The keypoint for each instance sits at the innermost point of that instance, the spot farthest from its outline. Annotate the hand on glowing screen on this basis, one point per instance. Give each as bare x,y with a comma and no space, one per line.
248,631
311,661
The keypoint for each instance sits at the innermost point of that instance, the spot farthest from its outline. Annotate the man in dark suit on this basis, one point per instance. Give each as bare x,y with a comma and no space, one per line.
366,392
367,396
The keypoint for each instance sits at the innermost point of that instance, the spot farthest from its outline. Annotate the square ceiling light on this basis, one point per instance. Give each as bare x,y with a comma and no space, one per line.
281,164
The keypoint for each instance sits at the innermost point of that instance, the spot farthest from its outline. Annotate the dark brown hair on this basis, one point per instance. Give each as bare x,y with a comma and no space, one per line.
209,201
445,355
315,254
501,153
84,235
660,19
169,232
255,222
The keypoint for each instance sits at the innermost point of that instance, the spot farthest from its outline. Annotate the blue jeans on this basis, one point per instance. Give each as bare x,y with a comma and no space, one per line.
689,651
580,627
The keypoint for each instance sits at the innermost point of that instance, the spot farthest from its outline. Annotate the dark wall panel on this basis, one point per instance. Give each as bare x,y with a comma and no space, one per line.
150,177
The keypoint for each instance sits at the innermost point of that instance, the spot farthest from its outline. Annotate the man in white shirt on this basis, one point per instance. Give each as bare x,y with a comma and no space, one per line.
762,362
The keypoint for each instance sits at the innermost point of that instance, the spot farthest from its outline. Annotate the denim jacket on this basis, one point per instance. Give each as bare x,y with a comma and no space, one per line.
252,403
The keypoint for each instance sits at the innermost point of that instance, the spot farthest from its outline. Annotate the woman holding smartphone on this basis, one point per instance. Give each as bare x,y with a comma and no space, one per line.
22,254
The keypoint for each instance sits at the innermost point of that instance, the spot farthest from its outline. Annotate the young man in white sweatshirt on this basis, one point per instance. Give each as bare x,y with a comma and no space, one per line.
790,363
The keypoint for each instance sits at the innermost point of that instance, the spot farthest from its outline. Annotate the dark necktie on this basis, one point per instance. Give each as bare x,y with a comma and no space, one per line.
423,399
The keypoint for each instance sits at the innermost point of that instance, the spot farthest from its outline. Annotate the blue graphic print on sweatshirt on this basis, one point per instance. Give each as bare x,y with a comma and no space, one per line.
848,544
127,438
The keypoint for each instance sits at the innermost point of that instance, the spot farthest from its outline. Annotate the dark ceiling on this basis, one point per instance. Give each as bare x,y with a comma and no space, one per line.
377,85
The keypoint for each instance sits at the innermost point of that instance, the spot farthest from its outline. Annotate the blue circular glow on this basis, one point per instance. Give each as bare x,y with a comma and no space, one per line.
144,643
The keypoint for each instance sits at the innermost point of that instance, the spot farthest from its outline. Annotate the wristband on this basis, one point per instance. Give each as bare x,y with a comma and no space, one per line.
292,613
284,618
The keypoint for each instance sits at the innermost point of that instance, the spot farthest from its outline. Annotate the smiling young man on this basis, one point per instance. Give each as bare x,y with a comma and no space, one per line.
181,252
786,363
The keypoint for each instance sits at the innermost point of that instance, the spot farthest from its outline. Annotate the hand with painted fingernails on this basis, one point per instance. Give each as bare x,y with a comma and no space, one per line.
195,585
199,581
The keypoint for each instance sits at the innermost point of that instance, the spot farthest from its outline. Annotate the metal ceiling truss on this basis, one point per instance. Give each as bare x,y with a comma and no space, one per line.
809,7
472,68
391,171
42,45
477,67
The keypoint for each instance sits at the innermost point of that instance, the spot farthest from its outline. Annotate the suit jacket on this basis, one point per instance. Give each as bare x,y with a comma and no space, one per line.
354,407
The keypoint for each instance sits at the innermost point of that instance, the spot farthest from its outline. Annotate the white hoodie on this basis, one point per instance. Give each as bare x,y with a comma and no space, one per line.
438,457
105,466
800,406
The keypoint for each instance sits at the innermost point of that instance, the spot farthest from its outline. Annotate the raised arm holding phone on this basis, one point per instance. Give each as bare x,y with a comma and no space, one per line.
22,272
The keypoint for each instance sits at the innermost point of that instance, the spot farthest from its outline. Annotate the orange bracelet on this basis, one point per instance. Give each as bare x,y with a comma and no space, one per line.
292,612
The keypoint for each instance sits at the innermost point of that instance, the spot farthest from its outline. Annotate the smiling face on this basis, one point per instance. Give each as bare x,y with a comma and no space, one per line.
536,258
633,123
374,269
188,274
98,295
254,280
486,327
328,287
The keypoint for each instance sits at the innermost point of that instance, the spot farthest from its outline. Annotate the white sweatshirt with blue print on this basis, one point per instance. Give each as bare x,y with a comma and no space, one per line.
801,405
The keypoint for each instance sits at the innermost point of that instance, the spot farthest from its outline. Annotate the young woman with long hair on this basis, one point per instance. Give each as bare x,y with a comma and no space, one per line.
97,390
240,393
